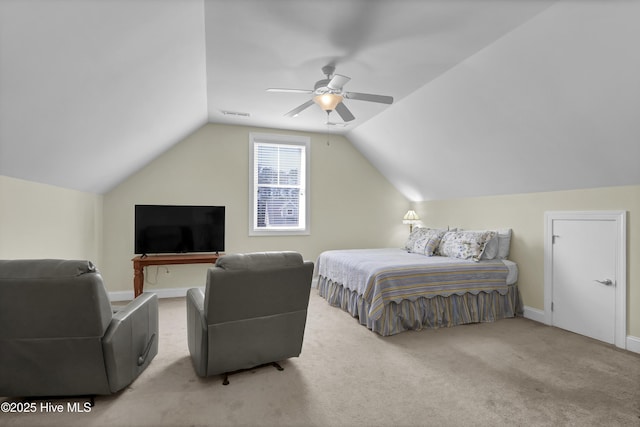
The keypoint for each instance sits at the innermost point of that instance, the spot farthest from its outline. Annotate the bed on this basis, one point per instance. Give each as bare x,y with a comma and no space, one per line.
424,285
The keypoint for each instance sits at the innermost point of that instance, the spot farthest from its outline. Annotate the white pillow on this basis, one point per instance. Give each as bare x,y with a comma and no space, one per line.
491,248
504,242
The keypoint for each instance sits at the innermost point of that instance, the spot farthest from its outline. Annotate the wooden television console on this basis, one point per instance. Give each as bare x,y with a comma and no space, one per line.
140,262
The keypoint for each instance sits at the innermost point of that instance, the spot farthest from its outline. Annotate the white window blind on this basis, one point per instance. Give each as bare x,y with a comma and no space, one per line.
279,177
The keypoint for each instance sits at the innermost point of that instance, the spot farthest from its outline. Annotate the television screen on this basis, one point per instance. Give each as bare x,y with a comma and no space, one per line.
162,229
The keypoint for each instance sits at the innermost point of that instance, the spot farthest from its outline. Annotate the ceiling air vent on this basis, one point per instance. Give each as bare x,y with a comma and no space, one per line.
235,113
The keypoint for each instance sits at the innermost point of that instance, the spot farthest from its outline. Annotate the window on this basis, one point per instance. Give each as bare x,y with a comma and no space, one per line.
279,168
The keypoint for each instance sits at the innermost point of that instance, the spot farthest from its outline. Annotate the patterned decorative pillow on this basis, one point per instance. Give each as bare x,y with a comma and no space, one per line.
415,234
427,241
464,244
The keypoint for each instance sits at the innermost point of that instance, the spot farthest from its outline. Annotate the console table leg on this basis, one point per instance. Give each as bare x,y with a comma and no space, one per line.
138,281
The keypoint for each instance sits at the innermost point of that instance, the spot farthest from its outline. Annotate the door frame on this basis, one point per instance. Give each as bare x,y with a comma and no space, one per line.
620,217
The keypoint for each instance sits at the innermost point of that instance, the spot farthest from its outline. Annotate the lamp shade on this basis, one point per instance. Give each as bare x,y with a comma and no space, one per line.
411,217
328,101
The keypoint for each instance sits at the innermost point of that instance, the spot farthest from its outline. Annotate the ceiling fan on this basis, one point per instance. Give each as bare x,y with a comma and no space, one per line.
329,95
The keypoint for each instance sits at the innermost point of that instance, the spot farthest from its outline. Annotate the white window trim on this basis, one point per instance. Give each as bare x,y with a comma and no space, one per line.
271,138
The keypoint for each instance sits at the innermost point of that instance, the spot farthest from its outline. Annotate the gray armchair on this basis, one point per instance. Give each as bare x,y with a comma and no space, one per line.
252,312
59,335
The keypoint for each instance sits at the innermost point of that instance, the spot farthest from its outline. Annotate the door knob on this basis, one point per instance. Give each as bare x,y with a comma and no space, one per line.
606,282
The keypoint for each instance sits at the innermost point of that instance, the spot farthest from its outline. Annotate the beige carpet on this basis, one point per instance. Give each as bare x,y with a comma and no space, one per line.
512,372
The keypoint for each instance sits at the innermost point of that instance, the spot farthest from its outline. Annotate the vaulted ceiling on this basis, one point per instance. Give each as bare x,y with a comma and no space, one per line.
490,97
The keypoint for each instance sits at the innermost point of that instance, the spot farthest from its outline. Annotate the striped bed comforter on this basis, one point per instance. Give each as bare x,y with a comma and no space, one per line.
383,276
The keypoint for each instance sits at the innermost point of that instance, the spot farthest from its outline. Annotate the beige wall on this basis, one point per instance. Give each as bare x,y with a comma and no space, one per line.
43,221
352,204
524,213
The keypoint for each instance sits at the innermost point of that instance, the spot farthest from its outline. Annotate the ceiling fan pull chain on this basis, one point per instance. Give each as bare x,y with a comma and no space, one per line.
328,127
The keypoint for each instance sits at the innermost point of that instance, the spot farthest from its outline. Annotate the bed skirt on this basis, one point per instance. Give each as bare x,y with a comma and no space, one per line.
433,312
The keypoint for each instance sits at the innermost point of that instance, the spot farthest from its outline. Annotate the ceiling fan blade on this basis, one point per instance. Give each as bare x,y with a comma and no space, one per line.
299,108
337,81
383,99
344,112
274,89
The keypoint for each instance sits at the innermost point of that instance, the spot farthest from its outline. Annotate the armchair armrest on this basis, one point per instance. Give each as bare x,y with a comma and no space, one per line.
131,340
197,331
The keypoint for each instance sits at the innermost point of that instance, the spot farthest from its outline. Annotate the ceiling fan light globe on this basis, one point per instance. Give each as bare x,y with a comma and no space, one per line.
328,101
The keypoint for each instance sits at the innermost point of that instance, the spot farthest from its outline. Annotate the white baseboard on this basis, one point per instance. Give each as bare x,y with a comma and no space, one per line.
533,314
633,344
162,293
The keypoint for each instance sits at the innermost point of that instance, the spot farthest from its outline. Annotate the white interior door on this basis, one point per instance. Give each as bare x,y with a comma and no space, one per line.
587,274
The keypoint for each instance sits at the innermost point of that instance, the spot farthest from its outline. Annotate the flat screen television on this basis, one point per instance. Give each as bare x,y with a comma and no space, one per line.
164,229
